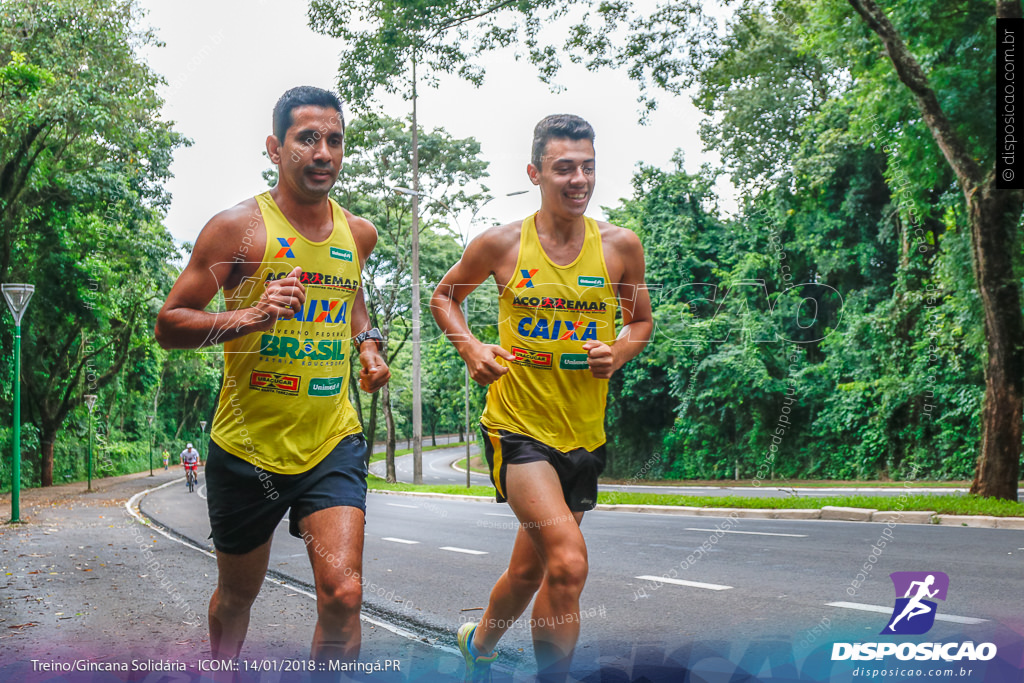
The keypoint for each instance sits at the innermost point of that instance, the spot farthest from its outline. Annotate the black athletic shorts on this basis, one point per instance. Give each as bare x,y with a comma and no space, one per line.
577,470
246,502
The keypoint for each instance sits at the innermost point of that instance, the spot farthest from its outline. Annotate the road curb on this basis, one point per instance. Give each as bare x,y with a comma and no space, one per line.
827,513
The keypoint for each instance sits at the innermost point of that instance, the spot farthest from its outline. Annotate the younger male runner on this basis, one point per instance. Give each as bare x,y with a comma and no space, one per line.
561,277
285,439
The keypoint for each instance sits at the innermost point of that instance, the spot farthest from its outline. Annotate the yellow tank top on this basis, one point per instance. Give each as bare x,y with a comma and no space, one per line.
284,403
546,313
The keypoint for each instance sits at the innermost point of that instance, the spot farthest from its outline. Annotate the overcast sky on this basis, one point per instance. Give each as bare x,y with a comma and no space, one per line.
227,63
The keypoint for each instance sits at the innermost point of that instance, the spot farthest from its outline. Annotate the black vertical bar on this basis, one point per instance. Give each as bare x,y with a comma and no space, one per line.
1009,123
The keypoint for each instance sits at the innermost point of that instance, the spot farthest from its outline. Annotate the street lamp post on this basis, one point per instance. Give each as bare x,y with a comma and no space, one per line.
90,402
202,441
468,439
149,418
17,296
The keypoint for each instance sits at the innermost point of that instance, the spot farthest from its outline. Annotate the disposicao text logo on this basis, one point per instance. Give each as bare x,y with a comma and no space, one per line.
914,613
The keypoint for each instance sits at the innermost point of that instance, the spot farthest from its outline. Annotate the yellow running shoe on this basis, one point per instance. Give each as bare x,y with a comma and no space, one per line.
478,667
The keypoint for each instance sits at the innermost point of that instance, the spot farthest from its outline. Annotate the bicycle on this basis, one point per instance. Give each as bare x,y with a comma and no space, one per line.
191,478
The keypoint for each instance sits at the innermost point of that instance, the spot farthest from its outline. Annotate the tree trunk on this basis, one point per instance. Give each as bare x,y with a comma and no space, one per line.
371,429
46,457
994,215
389,421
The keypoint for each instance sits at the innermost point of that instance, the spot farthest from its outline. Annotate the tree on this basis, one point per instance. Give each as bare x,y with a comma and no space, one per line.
82,161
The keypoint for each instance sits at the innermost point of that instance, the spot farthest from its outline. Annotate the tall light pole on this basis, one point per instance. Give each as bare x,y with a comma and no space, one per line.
149,418
416,194
17,296
202,448
90,402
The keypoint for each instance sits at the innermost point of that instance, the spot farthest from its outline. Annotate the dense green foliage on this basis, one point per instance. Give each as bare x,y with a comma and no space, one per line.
843,187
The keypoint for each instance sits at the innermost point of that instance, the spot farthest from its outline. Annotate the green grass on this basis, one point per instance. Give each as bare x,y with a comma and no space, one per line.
944,505
479,466
406,451
789,483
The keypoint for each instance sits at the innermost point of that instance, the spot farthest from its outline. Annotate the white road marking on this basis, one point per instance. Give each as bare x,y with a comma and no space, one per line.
399,505
888,610
502,514
751,533
680,582
464,550
399,540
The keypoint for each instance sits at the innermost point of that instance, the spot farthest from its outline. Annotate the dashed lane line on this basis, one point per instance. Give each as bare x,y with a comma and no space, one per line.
399,540
681,582
464,550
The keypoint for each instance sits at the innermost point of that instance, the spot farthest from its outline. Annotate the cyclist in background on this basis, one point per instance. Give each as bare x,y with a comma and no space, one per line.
190,459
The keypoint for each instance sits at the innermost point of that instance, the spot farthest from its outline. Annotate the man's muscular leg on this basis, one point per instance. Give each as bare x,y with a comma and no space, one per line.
334,542
553,564
239,578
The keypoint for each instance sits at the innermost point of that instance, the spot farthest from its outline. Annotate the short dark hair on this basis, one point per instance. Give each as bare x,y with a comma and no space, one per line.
303,95
558,126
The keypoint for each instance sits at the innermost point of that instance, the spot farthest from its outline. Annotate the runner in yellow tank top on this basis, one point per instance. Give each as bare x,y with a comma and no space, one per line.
560,278
292,381
285,440
546,313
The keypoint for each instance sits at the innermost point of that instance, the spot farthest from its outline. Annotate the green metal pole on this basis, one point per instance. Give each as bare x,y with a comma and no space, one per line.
16,465
90,451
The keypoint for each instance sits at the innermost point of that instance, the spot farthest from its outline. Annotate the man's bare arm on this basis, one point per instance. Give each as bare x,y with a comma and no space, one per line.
635,304
472,269
183,322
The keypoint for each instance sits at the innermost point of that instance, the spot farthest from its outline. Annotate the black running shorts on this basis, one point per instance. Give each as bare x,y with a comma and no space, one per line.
246,502
577,470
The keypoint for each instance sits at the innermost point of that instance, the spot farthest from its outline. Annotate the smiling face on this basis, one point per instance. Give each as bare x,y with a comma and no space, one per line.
310,156
566,176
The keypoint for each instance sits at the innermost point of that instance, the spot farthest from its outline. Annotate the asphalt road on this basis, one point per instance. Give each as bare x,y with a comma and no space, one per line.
765,595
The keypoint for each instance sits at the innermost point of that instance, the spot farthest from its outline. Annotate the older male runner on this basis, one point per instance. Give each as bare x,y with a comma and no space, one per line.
561,278
285,439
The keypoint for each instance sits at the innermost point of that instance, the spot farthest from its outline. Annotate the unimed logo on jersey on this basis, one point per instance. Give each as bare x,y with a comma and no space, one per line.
341,254
537,359
574,361
275,382
325,386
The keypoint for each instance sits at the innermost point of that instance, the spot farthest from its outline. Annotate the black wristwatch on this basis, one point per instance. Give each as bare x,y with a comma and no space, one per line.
373,334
